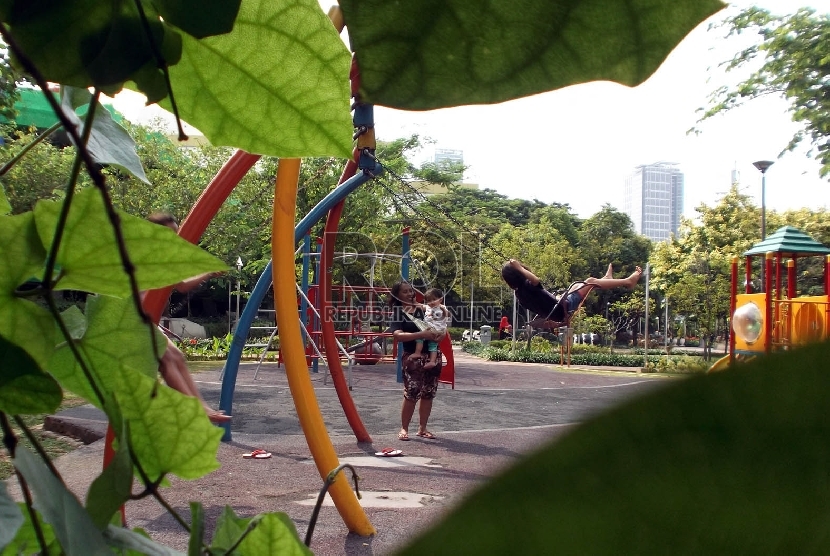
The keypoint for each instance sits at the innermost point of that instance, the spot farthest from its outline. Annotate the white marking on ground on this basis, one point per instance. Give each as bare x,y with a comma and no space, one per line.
371,499
389,462
458,389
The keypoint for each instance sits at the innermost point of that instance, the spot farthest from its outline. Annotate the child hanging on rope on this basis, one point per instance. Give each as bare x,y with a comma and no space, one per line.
436,317
554,311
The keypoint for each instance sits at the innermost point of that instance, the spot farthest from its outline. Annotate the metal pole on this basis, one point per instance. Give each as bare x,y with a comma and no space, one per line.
666,335
645,342
763,206
471,310
479,259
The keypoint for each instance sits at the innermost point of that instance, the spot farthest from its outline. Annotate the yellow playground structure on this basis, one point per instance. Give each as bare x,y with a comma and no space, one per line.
777,318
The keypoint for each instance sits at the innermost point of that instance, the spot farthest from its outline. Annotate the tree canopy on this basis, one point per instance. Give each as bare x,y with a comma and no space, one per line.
789,60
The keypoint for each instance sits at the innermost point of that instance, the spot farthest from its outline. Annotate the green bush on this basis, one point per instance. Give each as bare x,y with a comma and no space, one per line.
680,364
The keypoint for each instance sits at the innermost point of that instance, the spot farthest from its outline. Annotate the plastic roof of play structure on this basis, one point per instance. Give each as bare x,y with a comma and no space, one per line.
789,241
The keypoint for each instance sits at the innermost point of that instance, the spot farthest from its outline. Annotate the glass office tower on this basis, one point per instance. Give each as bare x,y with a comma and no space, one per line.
654,199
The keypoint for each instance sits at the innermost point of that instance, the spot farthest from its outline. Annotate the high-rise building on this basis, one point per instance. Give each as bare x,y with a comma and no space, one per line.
449,155
654,199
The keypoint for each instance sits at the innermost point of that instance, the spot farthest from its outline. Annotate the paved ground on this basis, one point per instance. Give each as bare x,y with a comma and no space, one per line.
496,413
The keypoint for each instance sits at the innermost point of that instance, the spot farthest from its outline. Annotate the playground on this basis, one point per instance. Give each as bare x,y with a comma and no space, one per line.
496,413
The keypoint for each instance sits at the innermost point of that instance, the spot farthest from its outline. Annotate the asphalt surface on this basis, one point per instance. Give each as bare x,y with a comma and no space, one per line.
496,413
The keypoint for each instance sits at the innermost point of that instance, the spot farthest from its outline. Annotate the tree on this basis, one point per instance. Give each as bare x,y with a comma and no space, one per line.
792,52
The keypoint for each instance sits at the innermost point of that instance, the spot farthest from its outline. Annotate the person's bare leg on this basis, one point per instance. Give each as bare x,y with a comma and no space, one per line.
173,368
424,410
407,410
609,283
433,360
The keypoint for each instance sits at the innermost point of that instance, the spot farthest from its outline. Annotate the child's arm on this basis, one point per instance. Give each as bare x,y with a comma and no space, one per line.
532,278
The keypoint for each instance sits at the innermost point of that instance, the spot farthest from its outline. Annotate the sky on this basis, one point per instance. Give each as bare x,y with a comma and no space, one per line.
579,144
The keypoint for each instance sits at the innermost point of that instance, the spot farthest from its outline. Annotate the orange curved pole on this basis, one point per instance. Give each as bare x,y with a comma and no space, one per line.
326,323
291,341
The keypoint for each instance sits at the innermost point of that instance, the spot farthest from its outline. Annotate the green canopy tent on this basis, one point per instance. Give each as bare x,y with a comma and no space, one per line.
33,110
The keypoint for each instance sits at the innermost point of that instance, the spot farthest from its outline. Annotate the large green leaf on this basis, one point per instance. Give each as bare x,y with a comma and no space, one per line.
23,322
116,343
59,507
169,431
426,54
89,256
111,489
10,516
24,387
274,533
84,42
136,543
278,84
200,18
731,463
108,143
25,541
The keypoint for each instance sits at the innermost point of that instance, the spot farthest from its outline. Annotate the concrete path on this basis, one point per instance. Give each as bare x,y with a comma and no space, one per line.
496,413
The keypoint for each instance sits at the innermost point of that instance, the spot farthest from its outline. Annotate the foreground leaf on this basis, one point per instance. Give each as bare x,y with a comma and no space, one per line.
116,343
59,507
89,256
278,84
111,489
125,539
272,533
25,541
426,54
83,43
10,516
109,143
200,18
732,463
23,322
169,432
24,387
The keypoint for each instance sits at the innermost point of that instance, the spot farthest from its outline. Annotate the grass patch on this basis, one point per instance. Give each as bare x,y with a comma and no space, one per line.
199,366
53,444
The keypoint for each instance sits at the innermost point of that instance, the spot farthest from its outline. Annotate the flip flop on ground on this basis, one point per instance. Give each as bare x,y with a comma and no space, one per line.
257,454
426,434
403,435
389,452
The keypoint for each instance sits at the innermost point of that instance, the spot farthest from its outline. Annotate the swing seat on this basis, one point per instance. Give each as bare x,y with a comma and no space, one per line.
549,324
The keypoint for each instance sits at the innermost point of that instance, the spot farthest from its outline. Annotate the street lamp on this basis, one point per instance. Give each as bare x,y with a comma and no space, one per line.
763,166
238,286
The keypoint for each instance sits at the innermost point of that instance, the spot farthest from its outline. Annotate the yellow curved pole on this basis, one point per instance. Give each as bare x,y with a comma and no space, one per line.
291,342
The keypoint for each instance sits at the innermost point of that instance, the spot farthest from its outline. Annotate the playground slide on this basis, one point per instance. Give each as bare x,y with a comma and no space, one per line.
299,382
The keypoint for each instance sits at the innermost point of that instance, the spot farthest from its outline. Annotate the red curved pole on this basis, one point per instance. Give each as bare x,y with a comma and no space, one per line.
326,322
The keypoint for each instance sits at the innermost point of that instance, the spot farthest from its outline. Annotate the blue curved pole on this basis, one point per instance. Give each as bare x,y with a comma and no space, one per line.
262,286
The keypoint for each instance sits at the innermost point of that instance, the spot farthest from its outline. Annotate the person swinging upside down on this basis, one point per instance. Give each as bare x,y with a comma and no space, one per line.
552,311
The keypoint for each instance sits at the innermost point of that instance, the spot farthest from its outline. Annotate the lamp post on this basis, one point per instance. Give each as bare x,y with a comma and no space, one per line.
763,166
238,285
